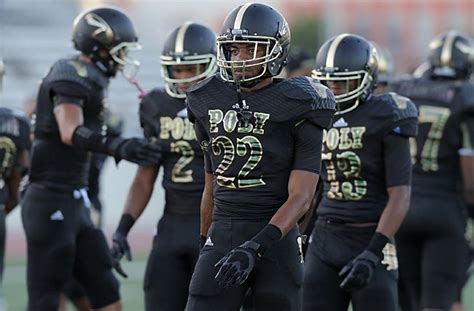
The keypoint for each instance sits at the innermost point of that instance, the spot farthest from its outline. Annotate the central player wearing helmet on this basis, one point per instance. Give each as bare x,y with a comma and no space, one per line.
188,56
262,140
366,185
62,241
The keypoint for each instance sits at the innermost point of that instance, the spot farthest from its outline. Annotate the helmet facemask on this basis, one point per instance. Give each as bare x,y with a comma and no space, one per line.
127,65
229,68
349,100
205,67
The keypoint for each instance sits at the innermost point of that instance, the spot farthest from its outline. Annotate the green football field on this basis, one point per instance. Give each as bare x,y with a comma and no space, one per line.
131,288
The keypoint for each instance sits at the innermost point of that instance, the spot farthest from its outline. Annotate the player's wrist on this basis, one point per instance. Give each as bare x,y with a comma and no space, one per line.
126,223
266,238
377,244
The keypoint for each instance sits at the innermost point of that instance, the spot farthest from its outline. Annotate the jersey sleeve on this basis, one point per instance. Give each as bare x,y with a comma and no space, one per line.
315,100
397,160
307,151
404,116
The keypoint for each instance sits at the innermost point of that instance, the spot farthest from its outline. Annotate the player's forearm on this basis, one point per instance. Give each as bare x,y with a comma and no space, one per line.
291,211
395,210
207,208
10,205
138,197
301,189
13,183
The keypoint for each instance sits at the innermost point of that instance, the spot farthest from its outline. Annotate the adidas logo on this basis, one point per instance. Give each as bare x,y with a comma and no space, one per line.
209,242
57,215
182,113
340,123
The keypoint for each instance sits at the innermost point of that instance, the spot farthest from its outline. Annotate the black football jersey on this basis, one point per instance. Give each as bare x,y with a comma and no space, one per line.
14,138
251,161
164,119
446,125
53,161
354,168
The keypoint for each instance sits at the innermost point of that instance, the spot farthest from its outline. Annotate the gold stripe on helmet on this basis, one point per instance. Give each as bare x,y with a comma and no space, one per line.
447,49
240,15
333,48
179,43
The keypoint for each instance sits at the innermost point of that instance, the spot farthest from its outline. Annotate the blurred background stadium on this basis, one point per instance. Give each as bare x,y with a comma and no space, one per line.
34,33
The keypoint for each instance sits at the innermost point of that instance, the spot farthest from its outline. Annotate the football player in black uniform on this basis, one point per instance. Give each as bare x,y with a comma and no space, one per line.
262,140
14,158
432,249
188,56
366,190
62,241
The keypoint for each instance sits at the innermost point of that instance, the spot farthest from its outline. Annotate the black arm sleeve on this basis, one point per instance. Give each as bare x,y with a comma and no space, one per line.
307,152
397,160
85,139
59,99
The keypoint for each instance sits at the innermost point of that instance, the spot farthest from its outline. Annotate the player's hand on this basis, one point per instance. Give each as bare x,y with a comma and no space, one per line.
236,266
139,151
359,271
120,248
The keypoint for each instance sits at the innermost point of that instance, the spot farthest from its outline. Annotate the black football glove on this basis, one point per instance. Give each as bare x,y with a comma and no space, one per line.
236,266
359,271
120,245
136,150
120,248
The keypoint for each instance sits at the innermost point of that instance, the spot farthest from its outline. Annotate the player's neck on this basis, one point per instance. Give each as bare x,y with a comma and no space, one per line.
260,85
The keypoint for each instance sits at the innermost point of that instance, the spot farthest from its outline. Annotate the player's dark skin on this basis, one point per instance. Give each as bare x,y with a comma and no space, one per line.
301,184
467,171
13,183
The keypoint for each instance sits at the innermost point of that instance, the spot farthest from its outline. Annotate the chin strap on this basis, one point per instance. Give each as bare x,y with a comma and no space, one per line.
244,115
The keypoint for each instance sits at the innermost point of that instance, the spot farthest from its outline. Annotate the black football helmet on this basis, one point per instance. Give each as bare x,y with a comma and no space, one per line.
257,24
451,55
348,57
189,44
385,68
108,30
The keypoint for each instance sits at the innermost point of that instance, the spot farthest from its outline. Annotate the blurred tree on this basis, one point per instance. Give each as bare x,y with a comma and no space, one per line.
307,33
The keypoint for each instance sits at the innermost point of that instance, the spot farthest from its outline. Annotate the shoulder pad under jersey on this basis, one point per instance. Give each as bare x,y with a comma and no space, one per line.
75,71
405,115
307,89
198,85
